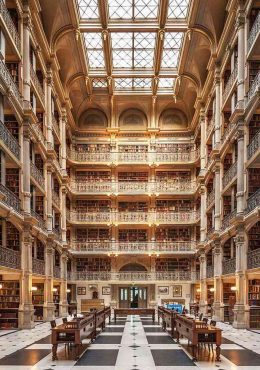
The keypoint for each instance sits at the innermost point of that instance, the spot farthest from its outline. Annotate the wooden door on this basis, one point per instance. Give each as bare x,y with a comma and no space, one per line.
142,297
124,297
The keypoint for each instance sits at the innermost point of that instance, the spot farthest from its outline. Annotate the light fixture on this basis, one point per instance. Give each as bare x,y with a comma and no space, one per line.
1,286
212,289
54,289
68,290
198,290
34,288
234,288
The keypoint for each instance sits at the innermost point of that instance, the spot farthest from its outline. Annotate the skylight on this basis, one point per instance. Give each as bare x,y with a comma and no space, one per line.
166,82
100,83
133,49
88,9
171,49
95,54
178,8
133,83
133,9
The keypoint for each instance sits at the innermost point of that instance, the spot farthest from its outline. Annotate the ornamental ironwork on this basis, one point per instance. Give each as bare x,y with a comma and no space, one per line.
9,140
253,259
10,198
10,258
229,266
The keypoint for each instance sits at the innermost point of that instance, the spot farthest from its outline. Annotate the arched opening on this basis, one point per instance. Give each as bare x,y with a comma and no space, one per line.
129,267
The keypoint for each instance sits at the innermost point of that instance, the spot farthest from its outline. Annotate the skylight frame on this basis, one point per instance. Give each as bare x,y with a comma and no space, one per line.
126,10
94,50
92,6
178,9
133,84
173,42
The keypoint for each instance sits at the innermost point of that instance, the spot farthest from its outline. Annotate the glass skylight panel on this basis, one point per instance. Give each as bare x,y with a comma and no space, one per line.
133,83
99,83
178,8
166,82
171,49
95,54
133,9
133,49
88,9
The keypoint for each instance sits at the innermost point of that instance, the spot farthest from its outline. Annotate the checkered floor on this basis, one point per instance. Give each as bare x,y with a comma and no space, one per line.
133,343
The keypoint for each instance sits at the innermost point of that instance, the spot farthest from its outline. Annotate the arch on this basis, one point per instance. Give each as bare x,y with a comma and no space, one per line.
133,117
93,118
133,267
173,119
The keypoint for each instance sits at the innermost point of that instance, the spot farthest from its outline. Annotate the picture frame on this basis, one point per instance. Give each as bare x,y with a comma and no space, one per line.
177,291
163,290
81,290
106,290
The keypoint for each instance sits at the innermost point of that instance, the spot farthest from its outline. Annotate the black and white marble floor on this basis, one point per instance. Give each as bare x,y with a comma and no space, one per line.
133,343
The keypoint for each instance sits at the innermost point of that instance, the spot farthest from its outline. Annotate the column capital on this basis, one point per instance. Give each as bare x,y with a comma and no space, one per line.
240,19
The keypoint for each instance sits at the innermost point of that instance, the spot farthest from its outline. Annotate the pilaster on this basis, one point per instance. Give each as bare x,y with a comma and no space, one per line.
63,287
49,306
240,168
203,285
218,288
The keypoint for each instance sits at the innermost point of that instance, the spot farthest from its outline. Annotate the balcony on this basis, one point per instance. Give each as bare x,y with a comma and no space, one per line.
39,134
253,259
9,85
37,176
253,90
227,132
210,272
226,222
37,86
230,175
10,258
41,222
176,217
56,199
253,202
254,34
55,126
10,199
132,217
90,157
38,266
90,217
131,276
9,140
229,266
56,272
210,128
229,85
210,198
56,231
163,158
128,157
7,21
254,146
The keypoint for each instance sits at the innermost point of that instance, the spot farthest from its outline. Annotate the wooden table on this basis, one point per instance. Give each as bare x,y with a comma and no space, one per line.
198,332
134,311
168,318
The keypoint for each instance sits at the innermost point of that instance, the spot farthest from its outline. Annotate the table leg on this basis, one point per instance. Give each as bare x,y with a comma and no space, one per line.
194,350
218,353
54,352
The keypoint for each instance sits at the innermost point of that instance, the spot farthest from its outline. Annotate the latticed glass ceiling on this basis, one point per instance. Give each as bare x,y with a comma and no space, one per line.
133,42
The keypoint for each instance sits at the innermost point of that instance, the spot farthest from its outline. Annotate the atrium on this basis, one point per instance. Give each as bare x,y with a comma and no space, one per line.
129,184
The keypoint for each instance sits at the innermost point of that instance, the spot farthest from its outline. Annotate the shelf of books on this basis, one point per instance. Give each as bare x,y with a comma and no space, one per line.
38,301
9,303
56,300
229,300
254,302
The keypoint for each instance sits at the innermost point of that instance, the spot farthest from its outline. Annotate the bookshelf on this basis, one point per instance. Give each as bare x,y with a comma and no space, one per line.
210,299
254,302
92,234
12,125
254,126
172,264
92,148
38,162
133,176
227,161
39,205
132,148
133,207
14,71
12,237
179,205
94,264
56,300
253,180
252,17
229,300
40,118
227,250
172,176
83,205
254,67
93,176
38,301
254,237
172,234
174,148
13,180
133,235
226,205
9,304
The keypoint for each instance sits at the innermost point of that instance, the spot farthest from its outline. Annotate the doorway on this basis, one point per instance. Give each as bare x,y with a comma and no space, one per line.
133,297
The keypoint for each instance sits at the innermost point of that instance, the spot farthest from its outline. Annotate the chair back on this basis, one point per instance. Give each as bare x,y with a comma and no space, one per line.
200,316
64,320
53,324
213,323
205,320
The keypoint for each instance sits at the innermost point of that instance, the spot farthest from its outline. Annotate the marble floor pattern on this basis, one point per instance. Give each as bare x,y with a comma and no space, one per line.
133,343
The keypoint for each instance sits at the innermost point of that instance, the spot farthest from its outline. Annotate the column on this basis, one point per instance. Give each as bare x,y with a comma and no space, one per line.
63,287
217,196
2,117
63,215
202,143
203,216
240,168
49,109
49,306
203,284
26,309
217,108
49,200
241,312
63,122
26,53
218,292
241,58
26,171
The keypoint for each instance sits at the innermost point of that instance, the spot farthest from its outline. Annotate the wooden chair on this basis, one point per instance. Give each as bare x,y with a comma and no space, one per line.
53,324
64,320
200,316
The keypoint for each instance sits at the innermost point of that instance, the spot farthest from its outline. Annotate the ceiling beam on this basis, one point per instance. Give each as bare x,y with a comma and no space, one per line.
134,27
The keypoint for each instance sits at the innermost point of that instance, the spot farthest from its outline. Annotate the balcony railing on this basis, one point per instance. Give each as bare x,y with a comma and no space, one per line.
133,247
210,198
10,258
230,84
131,157
253,202
254,32
135,217
9,140
37,175
226,132
226,220
38,266
253,259
230,174
6,18
254,88
41,222
254,145
10,199
56,272
10,85
37,85
57,232
38,130
210,271
55,125
159,187
56,198
229,266
132,276
210,127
